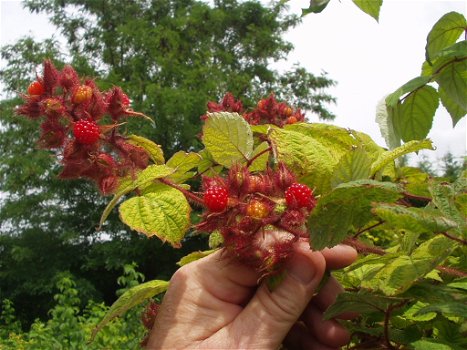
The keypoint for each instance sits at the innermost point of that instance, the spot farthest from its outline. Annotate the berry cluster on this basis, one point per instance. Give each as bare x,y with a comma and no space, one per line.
260,216
73,111
267,111
148,317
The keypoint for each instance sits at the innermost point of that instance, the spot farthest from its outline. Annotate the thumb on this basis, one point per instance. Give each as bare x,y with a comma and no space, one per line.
272,313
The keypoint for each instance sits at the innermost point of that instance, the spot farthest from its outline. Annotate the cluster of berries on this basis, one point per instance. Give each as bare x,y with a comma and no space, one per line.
260,216
267,111
72,112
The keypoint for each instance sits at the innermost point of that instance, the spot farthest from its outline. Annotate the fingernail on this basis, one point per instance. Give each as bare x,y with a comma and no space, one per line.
301,269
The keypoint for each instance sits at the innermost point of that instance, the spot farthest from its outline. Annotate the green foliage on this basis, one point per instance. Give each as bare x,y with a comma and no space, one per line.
411,108
69,326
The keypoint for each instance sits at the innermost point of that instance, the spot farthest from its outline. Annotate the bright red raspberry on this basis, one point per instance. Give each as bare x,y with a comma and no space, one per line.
86,131
299,196
82,94
36,88
257,209
216,198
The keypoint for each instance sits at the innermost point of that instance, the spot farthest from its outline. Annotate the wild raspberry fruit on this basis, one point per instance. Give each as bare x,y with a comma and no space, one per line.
86,131
216,198
125,100
36,88
257,209
82,94
299,196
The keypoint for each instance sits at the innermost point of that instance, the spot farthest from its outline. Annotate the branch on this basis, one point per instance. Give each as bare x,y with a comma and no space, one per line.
457,239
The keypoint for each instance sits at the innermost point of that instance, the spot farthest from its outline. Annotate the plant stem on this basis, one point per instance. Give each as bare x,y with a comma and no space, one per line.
457,239
368,229
250,161
189,195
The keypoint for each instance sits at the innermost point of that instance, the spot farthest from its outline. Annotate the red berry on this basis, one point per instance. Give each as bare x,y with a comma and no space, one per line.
257,209
82,94
86,131
299,196
216,198
36,88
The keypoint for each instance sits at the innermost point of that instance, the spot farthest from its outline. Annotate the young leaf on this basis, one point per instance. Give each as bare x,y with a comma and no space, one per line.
444,33
355,165
228,138
154,150
362,302
416,114
127,185
195,256
182,162
164,213
386,127
370,7
130,299
348,206
411,313
385,158
430,344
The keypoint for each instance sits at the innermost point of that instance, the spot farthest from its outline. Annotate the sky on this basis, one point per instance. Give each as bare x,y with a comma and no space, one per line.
368,59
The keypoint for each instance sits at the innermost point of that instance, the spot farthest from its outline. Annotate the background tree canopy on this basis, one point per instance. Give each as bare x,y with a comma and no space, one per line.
171,57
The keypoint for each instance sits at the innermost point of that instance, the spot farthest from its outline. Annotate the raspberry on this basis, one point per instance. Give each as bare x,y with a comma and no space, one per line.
125,100
257,209
86,131
82,94
36,88
292,120
299,196
216,198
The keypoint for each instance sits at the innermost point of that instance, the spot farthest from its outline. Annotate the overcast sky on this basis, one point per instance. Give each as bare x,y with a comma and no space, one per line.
367,59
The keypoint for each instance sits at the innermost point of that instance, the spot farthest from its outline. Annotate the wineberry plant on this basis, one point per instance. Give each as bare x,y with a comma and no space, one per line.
267,177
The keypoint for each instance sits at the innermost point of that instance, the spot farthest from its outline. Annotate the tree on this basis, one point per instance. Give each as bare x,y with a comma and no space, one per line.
171,57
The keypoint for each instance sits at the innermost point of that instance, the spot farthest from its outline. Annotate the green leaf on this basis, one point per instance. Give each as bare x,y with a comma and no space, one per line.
370,7
207,166
346,208
385,158
411,313
444,198
362,302
452,78
215,239
460,283
228,138
455,110
260,163
416,83
128,184
130,299
195,256
182,162
430,344
444,33
306,157
414,219
316,6
164,213
312,151
415,116
400,274
154,150
447,308
386,127
355,165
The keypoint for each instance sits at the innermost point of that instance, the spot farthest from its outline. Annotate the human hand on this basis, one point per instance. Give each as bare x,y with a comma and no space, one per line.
215,303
